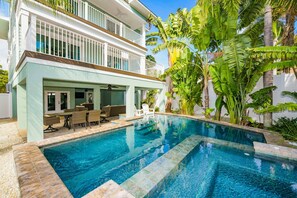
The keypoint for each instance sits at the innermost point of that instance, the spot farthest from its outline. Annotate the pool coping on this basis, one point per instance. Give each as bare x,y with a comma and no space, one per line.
36,176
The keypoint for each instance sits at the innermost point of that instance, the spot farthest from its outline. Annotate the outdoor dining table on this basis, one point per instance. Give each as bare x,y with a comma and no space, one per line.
67,116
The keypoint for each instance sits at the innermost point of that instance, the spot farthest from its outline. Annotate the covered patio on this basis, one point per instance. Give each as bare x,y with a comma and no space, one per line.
62,86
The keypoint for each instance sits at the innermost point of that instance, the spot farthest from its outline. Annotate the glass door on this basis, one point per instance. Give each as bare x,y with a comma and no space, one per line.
56,101
64,101
51,102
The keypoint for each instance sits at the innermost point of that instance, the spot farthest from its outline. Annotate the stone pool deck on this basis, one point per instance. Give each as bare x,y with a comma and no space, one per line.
37,178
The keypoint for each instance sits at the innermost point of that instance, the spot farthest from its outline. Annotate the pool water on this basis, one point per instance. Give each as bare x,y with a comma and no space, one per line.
217,171
85,164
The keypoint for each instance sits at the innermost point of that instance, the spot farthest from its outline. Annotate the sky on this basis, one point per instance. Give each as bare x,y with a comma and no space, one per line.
163,8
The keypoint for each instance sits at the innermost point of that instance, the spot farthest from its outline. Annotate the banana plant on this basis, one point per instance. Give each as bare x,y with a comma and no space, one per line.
187,79
237,72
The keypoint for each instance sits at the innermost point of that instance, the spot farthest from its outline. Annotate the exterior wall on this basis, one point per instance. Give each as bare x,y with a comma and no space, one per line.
5,105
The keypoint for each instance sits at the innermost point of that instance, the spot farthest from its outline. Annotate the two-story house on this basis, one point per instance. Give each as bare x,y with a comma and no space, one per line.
90,51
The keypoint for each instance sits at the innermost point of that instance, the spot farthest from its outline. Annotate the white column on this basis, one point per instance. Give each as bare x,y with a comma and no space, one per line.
121,29
105,54
24,22
143,33
96,97
34,89
21,106
161,100
31,38
142,65
130,101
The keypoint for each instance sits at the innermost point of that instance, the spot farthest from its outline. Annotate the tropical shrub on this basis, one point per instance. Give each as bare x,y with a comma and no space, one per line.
287,128
150,98
187,79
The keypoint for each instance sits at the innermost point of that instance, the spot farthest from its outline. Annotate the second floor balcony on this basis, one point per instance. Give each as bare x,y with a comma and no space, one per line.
50,39
86,10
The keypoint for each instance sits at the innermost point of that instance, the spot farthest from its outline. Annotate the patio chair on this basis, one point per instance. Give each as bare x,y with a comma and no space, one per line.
138,112
148,111
105,113
94,117
68,110
78,117
80,108
50,120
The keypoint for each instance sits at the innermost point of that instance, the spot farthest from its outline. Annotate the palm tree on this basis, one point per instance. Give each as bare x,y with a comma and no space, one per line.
268,76
168,38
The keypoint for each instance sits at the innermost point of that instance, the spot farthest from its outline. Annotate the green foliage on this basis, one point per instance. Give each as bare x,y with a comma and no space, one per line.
187,79
207,112
288,106
151,98
3,80
287,128
150,58
261,99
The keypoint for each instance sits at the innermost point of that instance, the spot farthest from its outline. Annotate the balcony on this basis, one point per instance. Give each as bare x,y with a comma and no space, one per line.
93,14
50,39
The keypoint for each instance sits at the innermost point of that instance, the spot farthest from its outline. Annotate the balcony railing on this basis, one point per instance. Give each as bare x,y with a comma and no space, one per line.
57,41
88,12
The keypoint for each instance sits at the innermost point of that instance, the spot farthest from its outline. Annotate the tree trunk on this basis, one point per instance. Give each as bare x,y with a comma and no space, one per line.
206,93
170,88
288,35
268,76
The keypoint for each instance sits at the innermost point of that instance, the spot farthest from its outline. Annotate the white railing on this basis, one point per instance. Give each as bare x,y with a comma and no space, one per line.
153,69
88,12
57,41
131,35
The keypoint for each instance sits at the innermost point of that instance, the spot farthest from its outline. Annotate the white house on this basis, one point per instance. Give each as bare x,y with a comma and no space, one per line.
90,51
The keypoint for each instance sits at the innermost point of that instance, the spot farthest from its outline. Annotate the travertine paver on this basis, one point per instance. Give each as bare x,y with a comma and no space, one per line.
274,150
145,181
108,190
35,175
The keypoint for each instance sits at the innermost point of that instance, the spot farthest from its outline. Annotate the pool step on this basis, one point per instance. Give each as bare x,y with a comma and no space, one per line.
147,180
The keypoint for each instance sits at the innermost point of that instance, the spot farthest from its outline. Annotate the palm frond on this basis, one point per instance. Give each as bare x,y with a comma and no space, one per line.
275,52
289,106
292,94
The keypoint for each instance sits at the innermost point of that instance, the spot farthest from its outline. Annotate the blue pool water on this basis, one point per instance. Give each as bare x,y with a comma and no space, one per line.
85,164
216,171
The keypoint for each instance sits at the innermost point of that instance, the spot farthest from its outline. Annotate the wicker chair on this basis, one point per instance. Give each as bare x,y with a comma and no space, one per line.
94,117
105,113
78,117
50,120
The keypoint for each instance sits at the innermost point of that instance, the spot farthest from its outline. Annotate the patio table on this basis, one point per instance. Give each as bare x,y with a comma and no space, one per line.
67,116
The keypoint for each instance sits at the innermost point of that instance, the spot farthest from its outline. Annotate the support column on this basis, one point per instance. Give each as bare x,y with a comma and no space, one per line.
31,45
130,101
34,88
14,102
24,25
161,101
143,34
97,97
22,107
142,65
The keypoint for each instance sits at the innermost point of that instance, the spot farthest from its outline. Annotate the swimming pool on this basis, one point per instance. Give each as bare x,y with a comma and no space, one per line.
217,171
85,164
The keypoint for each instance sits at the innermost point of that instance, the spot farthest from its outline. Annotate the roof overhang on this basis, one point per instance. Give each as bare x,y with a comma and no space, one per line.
4,24
140,7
